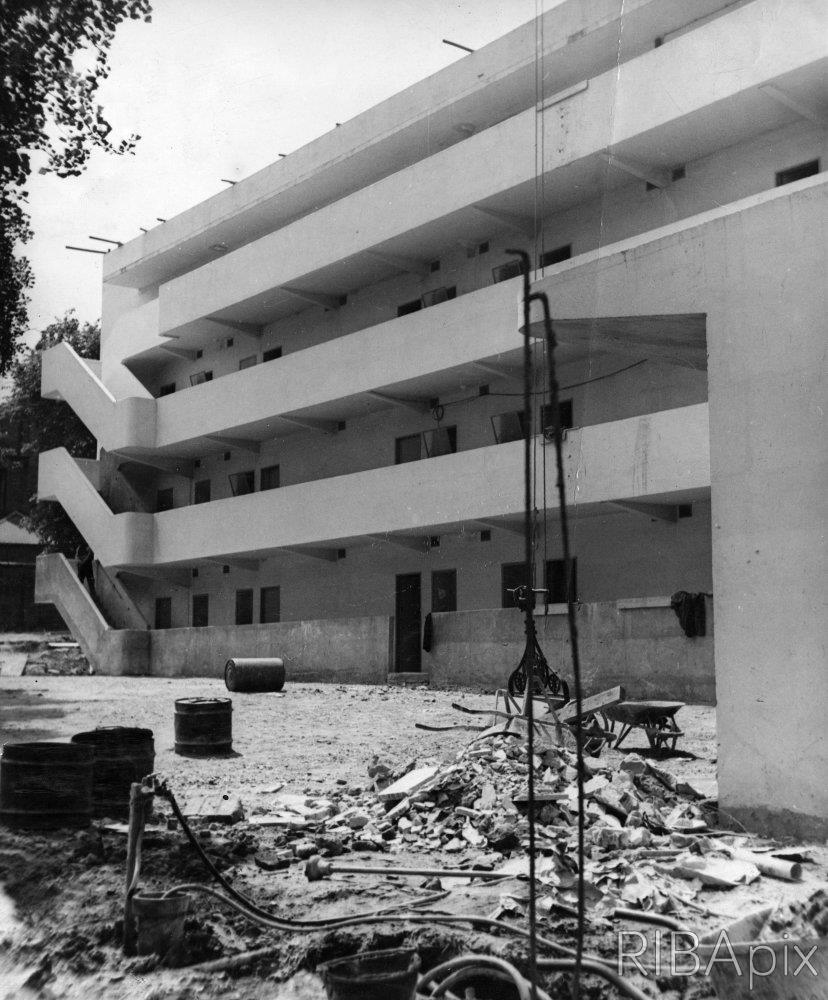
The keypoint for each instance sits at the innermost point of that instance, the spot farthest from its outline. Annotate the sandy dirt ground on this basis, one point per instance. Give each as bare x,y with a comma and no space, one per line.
60,914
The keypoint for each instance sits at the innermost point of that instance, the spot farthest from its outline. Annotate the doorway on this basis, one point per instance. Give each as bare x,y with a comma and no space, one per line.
408,610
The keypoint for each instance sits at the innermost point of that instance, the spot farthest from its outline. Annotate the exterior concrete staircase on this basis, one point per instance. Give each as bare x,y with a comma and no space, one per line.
117,641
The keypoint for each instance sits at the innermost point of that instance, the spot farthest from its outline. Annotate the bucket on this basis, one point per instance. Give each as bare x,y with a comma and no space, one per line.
159,920
373,975
773,963
46,784
122,755
203,727
255,674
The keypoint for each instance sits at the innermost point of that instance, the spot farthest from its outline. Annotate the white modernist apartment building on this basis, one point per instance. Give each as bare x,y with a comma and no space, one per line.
309,398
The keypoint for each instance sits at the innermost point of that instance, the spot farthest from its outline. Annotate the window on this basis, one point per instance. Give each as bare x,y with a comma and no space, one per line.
441,441
244,607
438,295
248,362
164,499
242,483
272,353
201,610
201,491
409,307
167,390
269,478
408,449
200,377
503,272
228,343
556,256
199,354
557,590
797,173
685,510
485,535
163,612
564,415
483,247
269,601
444,590
512,575
433,266
508,426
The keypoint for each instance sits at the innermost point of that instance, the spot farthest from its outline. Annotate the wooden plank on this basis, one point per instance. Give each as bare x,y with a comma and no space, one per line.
604,699
408,784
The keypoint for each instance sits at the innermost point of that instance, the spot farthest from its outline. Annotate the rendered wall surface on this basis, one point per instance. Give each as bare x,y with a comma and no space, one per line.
645,650
344,650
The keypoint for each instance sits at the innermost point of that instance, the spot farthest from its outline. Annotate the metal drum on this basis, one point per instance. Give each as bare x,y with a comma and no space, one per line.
121,755
255,674
46,784
203,727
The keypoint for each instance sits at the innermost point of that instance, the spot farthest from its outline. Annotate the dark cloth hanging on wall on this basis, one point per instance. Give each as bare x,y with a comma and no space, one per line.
428,632
690,611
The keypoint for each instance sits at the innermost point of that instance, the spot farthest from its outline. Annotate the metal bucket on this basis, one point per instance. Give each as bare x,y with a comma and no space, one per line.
46,784
159,921
122,755
203,727
255,674
373,975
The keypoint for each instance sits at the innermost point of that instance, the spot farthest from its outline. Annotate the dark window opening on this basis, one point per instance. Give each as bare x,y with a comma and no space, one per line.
797,173
248,362
201,610
508,426
242,483
512,575
565,416
685,510
408,449
167,390
201,491
503,272
556,256
441,441
269,605
244,607
199,354
341,553
409,307
438,295
163,612
198,378
678,173
434,266
164,499
434,542
444,590
269,477
227,456
272,353
483,247
556,586
194,573
225,570
485,535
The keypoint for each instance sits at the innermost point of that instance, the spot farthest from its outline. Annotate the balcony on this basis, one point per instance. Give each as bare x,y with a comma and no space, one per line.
623,122
658,458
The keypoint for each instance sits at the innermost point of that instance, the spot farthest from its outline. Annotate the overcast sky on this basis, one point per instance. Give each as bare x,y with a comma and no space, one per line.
218,88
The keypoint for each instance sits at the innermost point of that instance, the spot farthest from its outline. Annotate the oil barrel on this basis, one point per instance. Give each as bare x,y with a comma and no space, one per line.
122,754
255,674
46,784
203,727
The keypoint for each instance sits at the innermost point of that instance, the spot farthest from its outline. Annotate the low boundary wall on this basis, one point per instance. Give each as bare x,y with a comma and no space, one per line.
639,644
341,650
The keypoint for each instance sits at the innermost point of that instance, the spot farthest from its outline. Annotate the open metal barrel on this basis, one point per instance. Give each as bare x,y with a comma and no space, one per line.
203,727
255,674
46,784
121,755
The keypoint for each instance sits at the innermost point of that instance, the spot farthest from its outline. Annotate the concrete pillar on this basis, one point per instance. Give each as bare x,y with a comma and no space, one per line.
769,487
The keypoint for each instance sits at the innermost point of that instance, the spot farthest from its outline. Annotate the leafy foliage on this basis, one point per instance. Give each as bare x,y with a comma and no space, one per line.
48,106
42,424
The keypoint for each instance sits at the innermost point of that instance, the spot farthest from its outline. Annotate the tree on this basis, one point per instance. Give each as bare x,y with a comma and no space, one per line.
47,106
41,424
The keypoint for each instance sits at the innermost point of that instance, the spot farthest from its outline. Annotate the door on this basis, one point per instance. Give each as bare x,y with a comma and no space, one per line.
408,623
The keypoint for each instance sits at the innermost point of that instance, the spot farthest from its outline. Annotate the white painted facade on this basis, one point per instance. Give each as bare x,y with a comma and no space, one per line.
654,156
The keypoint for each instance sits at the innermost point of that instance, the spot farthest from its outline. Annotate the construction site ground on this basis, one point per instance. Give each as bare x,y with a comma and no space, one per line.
63,892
